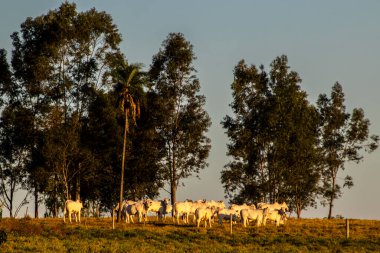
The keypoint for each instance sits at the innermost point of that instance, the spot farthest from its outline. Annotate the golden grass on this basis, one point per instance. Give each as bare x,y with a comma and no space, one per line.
97,235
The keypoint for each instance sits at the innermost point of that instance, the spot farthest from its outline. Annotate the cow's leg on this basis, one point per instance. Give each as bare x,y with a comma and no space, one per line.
79,216
139,216
70,216
126,218
159,215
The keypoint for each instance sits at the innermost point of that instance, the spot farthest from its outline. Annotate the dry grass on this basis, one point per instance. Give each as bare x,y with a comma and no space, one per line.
97,235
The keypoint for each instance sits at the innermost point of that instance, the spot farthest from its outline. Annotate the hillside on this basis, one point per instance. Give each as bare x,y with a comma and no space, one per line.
96,235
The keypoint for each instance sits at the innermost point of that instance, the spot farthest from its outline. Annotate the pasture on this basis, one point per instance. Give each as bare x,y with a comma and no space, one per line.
97,235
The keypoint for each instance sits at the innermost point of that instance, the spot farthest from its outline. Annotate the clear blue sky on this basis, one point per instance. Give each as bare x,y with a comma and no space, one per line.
325,41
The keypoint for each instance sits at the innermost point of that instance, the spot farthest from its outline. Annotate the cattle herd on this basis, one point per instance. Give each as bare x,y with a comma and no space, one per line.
200,210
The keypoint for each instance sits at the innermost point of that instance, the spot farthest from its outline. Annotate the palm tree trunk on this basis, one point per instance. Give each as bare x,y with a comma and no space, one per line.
122,167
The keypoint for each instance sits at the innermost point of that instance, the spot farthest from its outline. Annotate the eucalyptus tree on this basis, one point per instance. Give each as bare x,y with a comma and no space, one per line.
15,138
182,120
102,135
344,138
273,137
14,154
59,59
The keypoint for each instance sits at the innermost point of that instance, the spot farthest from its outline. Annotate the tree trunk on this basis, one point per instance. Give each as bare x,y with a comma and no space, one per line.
331,202
35,203
77,185
299,212
11,208
122,168
173,182
173,192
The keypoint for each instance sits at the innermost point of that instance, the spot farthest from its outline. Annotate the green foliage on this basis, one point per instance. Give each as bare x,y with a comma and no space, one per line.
273,138
284,148
58,62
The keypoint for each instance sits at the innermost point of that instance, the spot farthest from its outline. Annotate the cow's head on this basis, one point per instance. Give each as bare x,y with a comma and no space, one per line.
166,201
147,203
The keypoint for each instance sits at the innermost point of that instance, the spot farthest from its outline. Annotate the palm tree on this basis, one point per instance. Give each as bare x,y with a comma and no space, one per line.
128,79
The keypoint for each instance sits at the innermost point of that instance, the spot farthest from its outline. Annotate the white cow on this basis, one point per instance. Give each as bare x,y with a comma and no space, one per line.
194,206
124,204
278,216
224,214
157,206
128,211
72,207
139,208
164,211
206,214
182,208
248,214
274,206
238,208
216,204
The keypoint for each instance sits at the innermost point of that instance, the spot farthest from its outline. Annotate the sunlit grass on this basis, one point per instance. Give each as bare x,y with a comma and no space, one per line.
97,235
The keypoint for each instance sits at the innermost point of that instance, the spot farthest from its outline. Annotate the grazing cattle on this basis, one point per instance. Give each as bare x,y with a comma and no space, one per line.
238,208
278,216
206,214
182,208
225,214
248,214
194,206
128,211
216,204
72,207
163,211
139,208
123,208
274,206
157,206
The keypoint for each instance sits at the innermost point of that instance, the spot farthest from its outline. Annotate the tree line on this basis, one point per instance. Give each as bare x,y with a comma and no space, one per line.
78,121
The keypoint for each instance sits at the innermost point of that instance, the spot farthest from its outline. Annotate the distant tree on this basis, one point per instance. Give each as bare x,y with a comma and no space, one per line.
182,120
343,138
273,138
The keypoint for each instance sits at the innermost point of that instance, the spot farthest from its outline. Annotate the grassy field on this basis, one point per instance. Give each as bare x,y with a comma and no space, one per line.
97,235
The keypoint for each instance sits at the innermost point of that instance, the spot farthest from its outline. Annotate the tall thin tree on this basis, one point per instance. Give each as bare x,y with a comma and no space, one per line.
344,137
128,79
